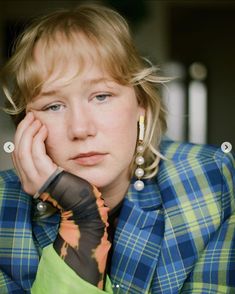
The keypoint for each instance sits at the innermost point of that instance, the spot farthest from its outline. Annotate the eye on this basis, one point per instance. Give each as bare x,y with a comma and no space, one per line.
54,107
102,97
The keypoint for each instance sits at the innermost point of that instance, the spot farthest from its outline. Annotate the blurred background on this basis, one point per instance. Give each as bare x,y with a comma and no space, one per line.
193,41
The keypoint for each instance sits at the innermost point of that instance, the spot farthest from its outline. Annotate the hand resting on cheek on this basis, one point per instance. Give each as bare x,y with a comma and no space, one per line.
30,159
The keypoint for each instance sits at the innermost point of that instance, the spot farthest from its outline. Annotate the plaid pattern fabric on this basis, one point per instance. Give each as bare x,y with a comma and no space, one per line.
175,236
193,195
20,237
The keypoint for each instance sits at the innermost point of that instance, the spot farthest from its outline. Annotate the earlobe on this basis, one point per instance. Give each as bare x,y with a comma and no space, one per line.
141,112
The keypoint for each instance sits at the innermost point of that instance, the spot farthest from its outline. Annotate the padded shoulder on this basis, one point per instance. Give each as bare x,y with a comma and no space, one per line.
181,150
198,169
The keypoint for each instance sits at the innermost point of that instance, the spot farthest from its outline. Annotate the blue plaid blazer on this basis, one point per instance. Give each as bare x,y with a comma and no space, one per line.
175,236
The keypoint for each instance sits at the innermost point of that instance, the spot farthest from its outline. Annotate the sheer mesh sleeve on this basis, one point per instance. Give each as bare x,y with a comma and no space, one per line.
82,241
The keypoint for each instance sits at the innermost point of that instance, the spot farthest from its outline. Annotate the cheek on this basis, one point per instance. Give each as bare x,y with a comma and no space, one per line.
123,130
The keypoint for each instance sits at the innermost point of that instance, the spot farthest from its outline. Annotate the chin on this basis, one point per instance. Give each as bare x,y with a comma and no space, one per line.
93,179
99,183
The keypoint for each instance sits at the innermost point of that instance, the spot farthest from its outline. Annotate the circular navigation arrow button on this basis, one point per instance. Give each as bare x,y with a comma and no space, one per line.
226,147
8,147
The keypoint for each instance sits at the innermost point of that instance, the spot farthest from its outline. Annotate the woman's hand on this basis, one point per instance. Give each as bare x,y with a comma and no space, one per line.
32,163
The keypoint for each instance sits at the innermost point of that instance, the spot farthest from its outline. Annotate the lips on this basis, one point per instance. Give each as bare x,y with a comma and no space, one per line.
89,158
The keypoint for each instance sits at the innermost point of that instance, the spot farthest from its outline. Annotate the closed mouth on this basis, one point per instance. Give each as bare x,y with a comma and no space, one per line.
89,159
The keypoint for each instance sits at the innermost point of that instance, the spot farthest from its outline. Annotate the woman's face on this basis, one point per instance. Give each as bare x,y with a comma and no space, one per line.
91,122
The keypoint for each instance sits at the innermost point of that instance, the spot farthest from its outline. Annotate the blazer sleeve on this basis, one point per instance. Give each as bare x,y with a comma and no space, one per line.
214,271
55,276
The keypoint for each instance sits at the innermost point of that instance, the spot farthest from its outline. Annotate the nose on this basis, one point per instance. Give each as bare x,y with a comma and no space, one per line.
80,123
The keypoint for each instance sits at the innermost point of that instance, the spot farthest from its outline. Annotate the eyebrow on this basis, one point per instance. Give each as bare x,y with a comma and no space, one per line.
89,82
97,81
49,93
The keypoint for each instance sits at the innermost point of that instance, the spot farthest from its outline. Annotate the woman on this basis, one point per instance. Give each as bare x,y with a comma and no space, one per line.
89,116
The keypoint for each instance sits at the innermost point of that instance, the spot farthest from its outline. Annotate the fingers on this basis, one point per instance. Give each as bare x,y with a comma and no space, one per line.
19,131
24,157
29,118
32,163
15,165
19,156
42,161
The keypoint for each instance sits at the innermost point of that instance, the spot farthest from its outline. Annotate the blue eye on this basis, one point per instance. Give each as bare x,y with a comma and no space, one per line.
102,97
54,107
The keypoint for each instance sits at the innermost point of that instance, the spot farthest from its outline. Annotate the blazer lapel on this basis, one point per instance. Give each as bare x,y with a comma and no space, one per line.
137,241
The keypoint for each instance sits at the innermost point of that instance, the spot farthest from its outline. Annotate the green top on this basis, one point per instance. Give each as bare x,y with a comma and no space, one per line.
55,276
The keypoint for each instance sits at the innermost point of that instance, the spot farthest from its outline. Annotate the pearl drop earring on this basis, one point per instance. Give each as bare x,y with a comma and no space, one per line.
139,172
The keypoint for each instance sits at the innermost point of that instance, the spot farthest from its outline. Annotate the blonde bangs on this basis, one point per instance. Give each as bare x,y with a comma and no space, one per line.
55,53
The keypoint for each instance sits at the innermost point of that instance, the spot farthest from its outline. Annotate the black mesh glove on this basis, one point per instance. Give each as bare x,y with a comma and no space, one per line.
82,240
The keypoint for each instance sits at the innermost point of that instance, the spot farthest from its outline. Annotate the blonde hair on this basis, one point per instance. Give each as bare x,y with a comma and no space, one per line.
109,34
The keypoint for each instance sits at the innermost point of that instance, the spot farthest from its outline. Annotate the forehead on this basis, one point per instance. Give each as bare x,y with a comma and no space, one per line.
62,54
